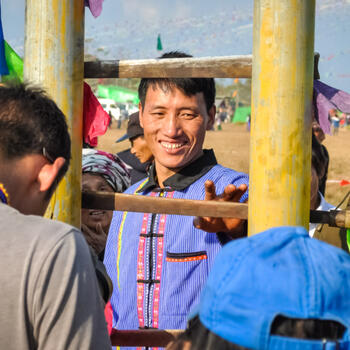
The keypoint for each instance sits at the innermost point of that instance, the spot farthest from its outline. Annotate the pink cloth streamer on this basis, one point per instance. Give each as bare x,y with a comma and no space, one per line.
95,118
95,6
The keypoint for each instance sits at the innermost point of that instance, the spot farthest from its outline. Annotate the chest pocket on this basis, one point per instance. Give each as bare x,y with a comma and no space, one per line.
185,275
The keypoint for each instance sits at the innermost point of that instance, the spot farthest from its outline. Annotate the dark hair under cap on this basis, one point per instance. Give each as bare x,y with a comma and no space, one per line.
189,86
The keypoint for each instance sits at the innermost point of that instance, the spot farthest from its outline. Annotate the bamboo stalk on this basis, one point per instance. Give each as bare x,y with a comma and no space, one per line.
280,140
203,67
144,337
54,56
158,205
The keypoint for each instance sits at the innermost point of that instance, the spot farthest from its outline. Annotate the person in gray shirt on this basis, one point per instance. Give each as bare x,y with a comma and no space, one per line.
49,296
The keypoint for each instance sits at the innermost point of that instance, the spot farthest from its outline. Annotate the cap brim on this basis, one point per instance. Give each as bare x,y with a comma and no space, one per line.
124,137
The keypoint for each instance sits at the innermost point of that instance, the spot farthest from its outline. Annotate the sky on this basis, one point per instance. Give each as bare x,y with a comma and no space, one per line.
128,29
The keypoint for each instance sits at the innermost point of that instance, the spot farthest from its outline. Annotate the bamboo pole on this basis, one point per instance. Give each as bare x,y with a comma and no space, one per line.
203,67
280,160
161,205
144,337
190,207
54,57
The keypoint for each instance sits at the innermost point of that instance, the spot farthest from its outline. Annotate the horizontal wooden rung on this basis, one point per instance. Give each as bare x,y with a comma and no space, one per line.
203,67
144,337
193,67
189,207
162,205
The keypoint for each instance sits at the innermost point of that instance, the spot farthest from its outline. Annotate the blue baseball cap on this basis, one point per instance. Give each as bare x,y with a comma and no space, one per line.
134,128
280,272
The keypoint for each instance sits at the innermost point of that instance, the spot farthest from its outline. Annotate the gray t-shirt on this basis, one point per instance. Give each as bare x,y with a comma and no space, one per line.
49,298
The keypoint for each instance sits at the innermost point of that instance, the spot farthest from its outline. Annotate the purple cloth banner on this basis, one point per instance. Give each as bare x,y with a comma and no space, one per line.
95,6
327,98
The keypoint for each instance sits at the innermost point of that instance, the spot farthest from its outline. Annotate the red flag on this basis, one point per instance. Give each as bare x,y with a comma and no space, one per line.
344,182
95,118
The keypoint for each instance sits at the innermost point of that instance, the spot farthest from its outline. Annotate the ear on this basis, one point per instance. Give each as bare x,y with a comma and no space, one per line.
211,114
141,114
48,173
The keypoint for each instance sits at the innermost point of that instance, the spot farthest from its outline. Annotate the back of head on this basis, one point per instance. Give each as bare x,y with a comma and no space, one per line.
279,289
189,86
31,123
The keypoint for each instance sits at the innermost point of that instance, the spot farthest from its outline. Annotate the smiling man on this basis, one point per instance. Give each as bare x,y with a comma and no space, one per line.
159,263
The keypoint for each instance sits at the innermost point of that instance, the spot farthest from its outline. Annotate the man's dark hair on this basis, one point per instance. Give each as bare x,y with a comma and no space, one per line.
318,158
31,123
189,86
307,328
201,338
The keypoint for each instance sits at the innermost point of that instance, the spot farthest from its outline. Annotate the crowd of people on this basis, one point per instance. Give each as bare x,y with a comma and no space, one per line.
279,289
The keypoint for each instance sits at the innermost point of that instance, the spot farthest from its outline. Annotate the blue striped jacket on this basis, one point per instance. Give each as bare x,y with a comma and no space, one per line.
159,263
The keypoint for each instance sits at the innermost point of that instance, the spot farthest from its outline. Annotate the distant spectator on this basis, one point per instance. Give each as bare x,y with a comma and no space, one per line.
336,124
279,289
124,115
119,117
218,122
248,122
139,157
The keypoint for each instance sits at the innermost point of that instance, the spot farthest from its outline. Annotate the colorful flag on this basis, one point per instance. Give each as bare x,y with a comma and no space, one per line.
159,43
327,98
14,64
3,65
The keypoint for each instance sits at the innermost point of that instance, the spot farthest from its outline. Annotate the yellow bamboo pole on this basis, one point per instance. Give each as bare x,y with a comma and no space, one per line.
280,160
54,58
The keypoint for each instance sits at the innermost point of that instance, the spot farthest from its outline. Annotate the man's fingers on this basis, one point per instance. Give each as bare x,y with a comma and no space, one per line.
210,193
229,192
240,190
203,224
233,193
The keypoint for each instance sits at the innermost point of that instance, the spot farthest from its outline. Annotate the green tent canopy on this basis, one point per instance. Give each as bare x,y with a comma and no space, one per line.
117,93
241,114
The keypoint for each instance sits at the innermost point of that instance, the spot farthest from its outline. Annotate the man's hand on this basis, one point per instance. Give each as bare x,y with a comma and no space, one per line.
96,239
232,226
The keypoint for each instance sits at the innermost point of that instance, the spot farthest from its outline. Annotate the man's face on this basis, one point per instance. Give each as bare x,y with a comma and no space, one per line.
316,129
174,126
91,217
141,150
